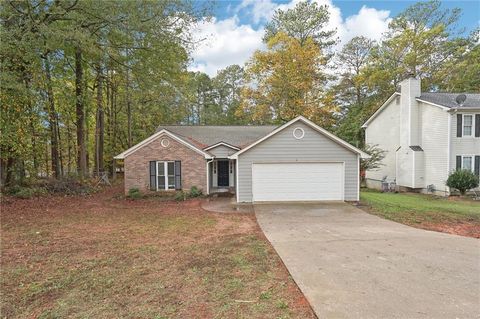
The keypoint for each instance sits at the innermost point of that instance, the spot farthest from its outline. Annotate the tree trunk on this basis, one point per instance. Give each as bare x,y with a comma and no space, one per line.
33,139
110,118
69,148
46,160
99,125
34,148
87,130
9,171
129,111
60,155
359,96
80,113
113,100
129,105
52,121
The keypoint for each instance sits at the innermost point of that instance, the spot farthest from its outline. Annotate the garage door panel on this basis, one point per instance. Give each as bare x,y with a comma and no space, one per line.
297,181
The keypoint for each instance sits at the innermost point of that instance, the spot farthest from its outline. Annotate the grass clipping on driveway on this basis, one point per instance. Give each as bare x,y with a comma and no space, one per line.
455,215
97,256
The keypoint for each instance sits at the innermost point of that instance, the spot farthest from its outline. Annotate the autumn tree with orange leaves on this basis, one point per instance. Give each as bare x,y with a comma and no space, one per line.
285,81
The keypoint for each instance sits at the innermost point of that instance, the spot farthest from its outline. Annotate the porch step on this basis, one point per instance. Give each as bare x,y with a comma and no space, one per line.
225,193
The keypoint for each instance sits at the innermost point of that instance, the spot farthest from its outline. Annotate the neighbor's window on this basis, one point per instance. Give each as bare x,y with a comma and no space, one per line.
467,125
467,162
166,175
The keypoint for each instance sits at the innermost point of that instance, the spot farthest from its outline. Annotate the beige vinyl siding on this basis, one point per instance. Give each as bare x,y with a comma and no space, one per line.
462,145
384,131
283,147
434,141
221,151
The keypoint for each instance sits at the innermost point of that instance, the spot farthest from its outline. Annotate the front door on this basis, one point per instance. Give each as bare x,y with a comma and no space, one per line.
223,173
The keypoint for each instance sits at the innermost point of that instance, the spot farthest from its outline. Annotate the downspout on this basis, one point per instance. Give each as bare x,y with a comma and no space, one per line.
449,147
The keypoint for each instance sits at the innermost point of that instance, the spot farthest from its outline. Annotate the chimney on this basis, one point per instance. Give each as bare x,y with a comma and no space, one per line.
410,89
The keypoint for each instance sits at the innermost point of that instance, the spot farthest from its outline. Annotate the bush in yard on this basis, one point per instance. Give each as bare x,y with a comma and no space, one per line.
134,193
374,162
463,180
27,192
180,196
195,192
66,185
24,193
12,190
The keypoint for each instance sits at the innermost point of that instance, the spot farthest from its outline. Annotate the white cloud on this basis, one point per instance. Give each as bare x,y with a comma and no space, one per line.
369,22
227,42
260,10
231,42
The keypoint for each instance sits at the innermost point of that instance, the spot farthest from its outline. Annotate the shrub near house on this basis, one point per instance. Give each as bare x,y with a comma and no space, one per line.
463,180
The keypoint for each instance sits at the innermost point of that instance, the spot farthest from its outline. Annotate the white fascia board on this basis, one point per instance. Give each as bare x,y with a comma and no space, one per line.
380,109
460,109
150,139
221,143
312,125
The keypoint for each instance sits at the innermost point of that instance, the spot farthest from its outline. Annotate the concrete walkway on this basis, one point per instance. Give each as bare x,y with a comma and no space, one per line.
350,264
226,205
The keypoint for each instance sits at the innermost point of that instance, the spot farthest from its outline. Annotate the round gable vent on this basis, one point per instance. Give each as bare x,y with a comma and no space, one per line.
165,142
298,133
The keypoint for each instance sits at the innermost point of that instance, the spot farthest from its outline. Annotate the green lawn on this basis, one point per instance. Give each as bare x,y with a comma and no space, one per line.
419,208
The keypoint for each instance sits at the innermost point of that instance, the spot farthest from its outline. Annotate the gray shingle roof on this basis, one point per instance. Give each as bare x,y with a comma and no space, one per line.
448,99
203,136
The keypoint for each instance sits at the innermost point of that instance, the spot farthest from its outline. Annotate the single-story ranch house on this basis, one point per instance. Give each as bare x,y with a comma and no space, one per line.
297,161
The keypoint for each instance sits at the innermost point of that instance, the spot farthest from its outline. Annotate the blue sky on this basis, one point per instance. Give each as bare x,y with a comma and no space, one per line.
236,30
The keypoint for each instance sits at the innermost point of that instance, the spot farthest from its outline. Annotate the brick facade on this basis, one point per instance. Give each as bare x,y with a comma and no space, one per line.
137,172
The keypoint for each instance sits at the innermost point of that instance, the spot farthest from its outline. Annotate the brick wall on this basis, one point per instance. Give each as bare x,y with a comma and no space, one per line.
137,172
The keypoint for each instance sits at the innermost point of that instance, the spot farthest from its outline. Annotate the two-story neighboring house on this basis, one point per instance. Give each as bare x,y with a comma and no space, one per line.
426,136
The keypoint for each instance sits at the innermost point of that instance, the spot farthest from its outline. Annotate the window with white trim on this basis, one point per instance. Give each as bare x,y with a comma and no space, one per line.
165,175
467,162
467,125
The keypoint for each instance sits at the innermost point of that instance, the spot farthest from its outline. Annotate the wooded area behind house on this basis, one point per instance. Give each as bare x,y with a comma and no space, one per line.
83,80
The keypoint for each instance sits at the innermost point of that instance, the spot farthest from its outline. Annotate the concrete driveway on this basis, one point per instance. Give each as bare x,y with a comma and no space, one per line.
350,264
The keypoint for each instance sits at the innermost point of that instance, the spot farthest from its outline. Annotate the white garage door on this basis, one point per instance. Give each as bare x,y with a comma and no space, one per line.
297,181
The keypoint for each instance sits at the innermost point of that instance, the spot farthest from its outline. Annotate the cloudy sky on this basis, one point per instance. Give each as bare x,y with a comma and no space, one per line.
237,28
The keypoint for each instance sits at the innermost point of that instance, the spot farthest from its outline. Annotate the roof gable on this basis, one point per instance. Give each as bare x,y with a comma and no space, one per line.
153,138
445,101
309,123
221,144
381,108
254,134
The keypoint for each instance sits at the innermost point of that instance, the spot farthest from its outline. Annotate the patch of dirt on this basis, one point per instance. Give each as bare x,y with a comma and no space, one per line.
139,258
458,198
243,224
462,229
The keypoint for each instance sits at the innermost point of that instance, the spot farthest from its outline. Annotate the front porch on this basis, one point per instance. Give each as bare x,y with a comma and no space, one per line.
221,174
